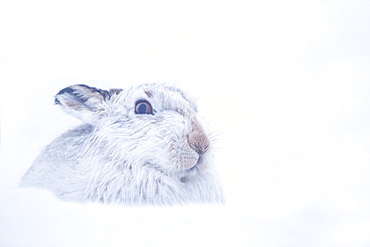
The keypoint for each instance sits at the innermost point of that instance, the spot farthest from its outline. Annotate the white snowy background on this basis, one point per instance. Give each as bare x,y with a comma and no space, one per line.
285,83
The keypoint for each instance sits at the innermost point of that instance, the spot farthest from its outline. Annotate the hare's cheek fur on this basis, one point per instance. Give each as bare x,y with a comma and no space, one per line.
168,138
160,143
182,156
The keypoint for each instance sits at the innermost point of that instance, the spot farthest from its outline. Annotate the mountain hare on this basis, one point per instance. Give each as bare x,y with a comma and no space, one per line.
142,146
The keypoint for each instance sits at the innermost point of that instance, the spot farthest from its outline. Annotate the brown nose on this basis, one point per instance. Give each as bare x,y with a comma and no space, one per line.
198,139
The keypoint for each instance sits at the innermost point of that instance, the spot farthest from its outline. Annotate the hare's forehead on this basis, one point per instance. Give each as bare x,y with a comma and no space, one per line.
165,98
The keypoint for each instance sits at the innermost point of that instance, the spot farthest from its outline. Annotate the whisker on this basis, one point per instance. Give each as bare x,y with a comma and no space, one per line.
217,144
213,135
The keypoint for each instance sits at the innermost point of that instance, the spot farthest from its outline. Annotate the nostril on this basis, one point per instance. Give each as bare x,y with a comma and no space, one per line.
199,148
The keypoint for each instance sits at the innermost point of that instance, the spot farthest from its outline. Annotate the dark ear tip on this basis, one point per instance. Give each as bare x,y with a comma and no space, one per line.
68,90
57,102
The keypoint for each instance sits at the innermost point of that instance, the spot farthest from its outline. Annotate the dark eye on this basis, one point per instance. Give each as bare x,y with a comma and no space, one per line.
143,107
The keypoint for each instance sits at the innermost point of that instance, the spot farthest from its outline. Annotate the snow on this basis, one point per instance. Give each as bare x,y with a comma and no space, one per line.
283,84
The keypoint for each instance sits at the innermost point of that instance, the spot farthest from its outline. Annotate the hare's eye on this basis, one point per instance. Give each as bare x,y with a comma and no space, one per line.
143,107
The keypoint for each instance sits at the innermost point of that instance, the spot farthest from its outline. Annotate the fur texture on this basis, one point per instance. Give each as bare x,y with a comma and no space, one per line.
163,157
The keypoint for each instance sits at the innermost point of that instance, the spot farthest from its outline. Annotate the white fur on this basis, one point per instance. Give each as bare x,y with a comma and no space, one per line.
122,157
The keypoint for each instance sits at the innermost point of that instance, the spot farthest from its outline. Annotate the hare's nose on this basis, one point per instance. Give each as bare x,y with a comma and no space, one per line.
198,139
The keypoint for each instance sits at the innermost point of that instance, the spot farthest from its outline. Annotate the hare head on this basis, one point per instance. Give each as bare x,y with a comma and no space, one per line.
145,144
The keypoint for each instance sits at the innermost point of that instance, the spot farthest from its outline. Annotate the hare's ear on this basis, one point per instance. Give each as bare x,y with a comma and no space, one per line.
84,102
